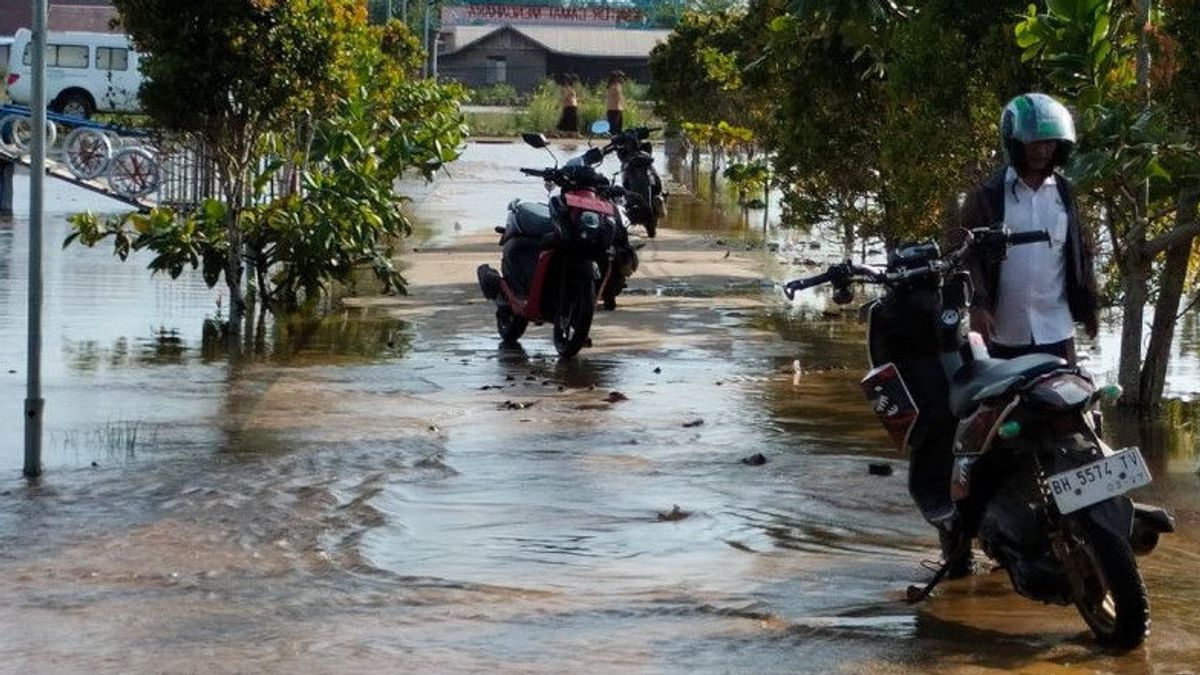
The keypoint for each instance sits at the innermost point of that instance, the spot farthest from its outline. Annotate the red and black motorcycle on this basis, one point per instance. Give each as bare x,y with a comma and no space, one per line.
559,257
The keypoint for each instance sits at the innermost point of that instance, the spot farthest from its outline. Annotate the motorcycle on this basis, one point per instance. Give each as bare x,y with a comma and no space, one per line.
559,257
645,203
1017,442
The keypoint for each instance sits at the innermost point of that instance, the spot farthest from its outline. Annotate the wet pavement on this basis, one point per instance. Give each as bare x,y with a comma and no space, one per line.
388,489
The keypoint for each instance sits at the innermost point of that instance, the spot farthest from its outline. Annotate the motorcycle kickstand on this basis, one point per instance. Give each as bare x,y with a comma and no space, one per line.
916,593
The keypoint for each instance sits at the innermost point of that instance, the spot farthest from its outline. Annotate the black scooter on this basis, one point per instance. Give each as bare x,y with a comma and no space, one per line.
645,203
1016,441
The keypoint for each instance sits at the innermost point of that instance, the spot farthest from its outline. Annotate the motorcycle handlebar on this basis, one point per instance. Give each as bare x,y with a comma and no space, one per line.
792,287
841,274
1018,238
540,173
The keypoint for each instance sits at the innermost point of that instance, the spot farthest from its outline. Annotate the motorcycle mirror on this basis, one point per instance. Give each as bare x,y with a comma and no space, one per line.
843,295
600,127
534,140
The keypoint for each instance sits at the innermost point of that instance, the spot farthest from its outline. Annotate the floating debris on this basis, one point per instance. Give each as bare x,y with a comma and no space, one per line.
757,459
693,423
675,513
616,397
879,469
516,405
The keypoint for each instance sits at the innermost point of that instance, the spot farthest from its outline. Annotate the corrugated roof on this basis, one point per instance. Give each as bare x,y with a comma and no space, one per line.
575,40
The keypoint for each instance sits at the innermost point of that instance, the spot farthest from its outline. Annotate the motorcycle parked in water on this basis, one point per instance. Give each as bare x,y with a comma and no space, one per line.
558,257
645,202
1028,473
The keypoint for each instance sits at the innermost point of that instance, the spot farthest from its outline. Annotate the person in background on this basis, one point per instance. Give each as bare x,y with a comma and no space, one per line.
615,99
568,122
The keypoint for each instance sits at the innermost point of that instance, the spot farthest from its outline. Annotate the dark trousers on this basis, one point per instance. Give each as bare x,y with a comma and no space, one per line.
615,119
1063,350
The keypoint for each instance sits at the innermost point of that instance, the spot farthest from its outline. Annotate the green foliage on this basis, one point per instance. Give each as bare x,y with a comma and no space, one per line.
340,121
496,94
876,115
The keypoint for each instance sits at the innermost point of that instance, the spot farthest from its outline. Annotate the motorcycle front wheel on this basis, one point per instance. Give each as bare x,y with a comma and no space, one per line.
573,318
510,326
1114,603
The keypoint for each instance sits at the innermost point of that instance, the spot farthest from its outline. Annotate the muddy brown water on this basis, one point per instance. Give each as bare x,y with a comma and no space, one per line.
389,490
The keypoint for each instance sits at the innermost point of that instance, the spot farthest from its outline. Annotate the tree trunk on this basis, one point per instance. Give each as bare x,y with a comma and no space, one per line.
233,273
1136,291
1162,332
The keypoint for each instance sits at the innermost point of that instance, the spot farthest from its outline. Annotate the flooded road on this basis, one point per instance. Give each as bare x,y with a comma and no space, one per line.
390,490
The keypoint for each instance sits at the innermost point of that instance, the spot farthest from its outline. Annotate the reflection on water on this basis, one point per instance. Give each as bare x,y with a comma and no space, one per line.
382,487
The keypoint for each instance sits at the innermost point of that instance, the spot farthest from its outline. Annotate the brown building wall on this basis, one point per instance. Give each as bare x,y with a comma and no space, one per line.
87,15
525,61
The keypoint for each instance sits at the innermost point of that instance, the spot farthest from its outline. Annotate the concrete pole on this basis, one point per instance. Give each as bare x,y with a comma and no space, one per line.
34,404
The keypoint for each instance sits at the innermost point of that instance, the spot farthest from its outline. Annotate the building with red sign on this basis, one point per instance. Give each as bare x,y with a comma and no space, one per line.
522,45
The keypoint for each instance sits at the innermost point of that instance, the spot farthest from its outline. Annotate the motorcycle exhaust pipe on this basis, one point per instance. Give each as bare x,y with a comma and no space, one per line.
1148,523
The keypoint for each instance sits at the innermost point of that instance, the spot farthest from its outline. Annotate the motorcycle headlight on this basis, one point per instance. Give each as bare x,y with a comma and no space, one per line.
589,220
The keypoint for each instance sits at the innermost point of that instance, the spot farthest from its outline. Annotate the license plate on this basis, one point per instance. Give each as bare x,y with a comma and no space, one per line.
1108,477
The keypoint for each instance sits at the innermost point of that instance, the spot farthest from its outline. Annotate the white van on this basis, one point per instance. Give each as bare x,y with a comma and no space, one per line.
85,72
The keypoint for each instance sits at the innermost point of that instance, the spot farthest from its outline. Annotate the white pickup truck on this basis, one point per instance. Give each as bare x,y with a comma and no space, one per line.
85,72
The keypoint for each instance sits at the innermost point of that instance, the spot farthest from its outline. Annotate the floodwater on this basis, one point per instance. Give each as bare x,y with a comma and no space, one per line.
389,490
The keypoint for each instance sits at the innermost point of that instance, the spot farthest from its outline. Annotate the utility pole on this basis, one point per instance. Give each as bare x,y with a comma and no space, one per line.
425,40
34,404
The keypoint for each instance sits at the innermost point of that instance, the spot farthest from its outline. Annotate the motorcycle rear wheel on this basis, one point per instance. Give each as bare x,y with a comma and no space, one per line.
1115,605
510,326
573,320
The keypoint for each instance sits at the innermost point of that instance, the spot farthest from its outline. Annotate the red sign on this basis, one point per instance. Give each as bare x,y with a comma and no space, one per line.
598,15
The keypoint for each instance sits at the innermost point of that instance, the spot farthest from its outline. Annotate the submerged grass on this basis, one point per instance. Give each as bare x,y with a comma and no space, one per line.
119,438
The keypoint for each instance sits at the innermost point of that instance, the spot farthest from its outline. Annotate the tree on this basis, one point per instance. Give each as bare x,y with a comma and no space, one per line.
301,92
1137,156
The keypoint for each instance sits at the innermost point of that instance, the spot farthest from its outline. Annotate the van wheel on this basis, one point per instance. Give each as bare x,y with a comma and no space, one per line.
74,104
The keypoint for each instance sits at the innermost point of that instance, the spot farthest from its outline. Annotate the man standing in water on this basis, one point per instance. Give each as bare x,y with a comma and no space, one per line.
1030,301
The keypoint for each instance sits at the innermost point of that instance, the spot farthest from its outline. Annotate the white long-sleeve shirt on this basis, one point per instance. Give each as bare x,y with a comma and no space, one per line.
1031,307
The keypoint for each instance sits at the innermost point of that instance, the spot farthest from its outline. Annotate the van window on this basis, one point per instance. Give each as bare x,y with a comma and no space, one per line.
4,49
61,56
112,58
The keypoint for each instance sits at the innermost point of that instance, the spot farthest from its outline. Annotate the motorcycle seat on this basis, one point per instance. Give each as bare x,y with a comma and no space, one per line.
989,377
533,219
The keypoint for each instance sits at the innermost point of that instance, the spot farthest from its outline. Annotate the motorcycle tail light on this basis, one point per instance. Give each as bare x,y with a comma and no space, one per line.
1061,392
